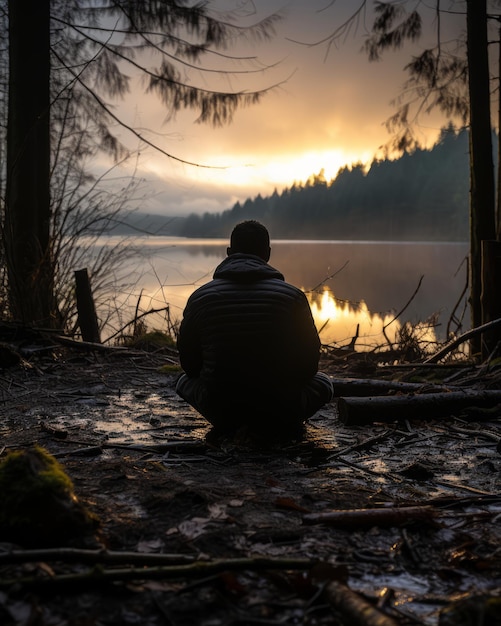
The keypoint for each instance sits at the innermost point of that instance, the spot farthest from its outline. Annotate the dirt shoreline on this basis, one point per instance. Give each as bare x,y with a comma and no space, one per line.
139,458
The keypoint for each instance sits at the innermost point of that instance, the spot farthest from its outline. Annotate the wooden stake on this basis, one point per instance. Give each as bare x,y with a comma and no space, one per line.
87,318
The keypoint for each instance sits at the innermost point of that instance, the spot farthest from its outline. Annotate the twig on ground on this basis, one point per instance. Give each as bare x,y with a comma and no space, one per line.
98,576
361,445
78,555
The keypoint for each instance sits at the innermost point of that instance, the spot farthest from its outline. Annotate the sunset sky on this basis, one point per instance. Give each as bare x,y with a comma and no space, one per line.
329,110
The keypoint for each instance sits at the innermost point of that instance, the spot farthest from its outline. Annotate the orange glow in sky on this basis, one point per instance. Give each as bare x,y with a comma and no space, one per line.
327,110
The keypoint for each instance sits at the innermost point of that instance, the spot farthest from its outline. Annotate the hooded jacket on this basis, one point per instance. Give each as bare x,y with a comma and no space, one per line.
248,330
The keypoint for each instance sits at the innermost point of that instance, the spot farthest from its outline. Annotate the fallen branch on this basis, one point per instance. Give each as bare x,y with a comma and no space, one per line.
76,555
356,609
359,411
461,339
361,445
89,345
366,518
198,569
155,448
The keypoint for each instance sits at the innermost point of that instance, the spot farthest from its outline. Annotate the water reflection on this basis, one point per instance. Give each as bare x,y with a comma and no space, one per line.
339,322
347,283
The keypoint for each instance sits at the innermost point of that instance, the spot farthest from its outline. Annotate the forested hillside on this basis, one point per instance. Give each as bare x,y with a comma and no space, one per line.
420,196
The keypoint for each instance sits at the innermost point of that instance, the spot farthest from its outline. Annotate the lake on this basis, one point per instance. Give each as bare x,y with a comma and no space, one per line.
347,283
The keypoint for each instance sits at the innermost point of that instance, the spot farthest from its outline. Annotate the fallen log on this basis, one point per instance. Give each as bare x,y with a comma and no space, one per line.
354,607
355,387
355,411
367,518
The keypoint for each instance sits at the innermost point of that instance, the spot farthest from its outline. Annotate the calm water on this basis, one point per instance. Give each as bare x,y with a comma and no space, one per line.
348,283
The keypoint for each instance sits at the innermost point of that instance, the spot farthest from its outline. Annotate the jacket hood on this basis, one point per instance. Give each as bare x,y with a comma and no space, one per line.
246,268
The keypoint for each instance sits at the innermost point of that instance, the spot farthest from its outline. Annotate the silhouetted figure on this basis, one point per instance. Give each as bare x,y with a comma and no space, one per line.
249,346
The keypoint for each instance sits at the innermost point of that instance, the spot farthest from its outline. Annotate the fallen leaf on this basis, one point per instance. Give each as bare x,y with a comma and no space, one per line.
217,511
235,503
153,545
193,528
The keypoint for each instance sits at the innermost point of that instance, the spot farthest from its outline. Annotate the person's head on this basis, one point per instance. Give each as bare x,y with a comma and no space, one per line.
250,237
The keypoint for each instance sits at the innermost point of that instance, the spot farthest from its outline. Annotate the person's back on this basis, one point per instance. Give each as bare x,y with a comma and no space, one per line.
248,343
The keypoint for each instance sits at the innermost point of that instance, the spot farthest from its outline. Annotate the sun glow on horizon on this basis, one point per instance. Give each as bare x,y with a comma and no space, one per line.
300,167
262,173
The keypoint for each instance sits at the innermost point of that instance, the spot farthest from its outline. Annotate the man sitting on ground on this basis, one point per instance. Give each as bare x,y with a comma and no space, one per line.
249,347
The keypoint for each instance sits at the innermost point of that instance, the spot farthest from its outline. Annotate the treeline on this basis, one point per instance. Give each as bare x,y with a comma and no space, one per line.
421,196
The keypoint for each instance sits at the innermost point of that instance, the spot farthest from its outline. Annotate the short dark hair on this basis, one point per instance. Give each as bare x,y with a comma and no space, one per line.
250,237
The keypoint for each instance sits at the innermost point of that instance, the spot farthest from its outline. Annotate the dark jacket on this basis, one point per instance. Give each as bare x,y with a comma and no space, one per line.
248,330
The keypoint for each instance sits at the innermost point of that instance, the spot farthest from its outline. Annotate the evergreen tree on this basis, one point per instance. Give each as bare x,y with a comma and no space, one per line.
66,59
423,195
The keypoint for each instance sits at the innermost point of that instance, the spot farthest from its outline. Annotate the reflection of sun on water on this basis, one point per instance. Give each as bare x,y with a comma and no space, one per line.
337,322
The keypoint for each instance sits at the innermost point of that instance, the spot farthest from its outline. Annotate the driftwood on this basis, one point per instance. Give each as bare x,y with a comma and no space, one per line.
358,411
366,518
356,609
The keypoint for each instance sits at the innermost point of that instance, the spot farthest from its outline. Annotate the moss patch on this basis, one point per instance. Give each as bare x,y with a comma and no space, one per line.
39,505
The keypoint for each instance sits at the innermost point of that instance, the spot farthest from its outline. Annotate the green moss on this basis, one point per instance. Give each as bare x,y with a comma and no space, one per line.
30,476
39,505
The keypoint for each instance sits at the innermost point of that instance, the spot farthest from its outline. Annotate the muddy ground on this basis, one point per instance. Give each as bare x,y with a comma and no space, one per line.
111,421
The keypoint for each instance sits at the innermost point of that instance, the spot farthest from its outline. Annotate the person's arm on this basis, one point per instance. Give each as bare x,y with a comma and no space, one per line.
304,346
188,345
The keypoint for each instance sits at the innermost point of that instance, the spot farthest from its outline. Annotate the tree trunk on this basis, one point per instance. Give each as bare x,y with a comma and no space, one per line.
26,229
482,197
491,302
498,198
